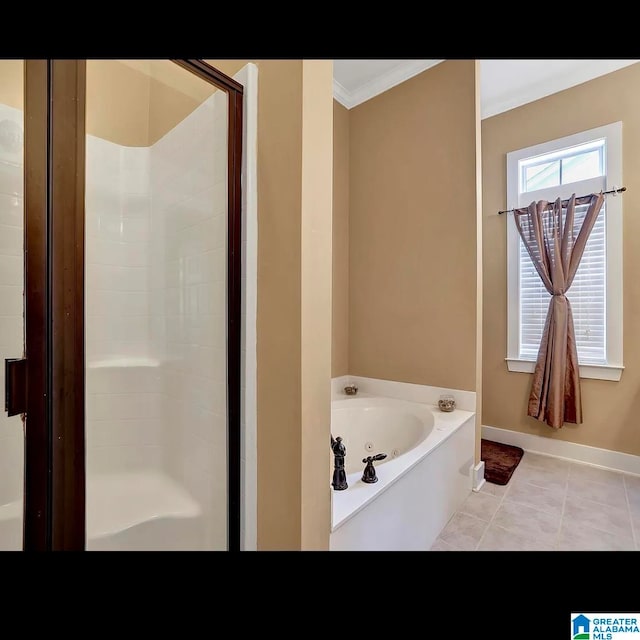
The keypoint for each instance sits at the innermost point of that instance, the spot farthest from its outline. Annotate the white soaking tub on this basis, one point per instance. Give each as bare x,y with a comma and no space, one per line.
422,482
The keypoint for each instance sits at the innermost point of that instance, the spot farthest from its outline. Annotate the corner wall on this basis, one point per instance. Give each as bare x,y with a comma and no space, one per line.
340,244
285,479
412,230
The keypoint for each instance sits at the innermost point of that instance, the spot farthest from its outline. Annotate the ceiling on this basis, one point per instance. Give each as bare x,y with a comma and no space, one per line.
504,84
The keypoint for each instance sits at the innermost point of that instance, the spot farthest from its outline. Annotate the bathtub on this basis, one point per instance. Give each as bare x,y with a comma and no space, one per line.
424,479
363,424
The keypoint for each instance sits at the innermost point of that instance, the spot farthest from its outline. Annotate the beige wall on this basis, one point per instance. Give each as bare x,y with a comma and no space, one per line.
317,179
284,89
173,94
134,103
479,276
611,409
412,230
340,285
279,299
12,83
117,103
129,102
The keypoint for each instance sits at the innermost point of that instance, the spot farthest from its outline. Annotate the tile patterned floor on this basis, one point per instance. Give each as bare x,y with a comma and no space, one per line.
549,504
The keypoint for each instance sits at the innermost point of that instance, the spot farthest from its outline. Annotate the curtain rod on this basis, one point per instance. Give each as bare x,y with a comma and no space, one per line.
604,193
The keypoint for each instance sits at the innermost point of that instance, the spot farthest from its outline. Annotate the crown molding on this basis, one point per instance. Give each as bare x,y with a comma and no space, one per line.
578,74
378,85
341,94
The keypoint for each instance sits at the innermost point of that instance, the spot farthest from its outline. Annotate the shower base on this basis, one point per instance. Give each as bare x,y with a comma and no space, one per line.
128,511
141,511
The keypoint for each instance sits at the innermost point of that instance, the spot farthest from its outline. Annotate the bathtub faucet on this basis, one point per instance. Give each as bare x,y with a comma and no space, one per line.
369,475
339,474
351,389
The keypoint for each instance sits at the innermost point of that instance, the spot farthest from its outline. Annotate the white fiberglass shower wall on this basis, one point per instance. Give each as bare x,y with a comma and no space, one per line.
156,276
11,316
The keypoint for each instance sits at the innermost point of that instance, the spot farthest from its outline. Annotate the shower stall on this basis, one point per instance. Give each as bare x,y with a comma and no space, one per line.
120,305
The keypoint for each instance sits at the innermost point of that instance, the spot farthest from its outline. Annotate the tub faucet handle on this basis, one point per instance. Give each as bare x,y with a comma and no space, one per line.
351,389
369,474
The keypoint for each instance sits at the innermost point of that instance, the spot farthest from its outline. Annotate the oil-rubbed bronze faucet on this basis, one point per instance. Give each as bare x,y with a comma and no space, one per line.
369,474
351,389
339,474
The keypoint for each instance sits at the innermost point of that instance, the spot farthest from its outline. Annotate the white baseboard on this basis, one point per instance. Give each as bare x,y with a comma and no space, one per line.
477,476
595,456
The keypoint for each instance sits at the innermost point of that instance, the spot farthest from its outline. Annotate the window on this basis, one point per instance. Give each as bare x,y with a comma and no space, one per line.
583,163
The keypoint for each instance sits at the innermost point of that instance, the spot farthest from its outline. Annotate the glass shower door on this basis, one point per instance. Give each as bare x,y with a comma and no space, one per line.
12,445
156,308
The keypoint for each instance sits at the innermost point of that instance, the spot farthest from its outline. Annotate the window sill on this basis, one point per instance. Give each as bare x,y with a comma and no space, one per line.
595,371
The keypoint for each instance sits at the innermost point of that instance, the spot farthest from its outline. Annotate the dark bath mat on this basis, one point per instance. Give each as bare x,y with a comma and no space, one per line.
500,460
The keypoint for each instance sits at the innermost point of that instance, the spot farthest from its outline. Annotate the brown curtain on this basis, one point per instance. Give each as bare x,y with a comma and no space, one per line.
555,241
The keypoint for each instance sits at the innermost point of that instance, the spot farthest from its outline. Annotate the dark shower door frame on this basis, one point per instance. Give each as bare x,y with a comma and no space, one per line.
55,474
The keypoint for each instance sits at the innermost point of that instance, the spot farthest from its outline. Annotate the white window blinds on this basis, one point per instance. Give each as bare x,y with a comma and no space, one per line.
586,294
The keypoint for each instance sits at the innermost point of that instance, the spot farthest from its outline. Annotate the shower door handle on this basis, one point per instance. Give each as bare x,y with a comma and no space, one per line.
15,386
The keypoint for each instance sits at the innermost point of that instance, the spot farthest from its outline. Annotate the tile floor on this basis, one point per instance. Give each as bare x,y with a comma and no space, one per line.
549,504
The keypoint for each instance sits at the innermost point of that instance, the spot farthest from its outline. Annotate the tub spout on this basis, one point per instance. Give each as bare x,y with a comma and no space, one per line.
339,474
